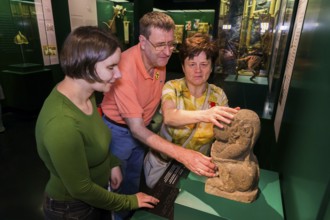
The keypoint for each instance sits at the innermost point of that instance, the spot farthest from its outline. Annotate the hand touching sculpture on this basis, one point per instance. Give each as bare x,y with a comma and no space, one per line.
232,152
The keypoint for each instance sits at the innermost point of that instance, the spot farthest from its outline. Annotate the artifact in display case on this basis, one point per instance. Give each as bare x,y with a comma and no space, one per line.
232,152
187,27
49,50
179,33
20,40
203,28
126,31
196,24
118,12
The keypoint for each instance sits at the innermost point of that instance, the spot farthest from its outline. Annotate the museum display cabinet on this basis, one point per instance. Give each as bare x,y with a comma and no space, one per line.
117,17
21,40
25,80
246,28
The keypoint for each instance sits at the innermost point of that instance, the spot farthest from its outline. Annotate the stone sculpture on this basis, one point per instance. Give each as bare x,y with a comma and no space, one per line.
232,152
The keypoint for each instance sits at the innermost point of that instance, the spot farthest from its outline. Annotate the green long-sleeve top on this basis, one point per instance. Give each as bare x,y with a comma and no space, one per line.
75,149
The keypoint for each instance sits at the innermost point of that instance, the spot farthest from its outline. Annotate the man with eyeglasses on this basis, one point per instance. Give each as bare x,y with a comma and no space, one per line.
129,108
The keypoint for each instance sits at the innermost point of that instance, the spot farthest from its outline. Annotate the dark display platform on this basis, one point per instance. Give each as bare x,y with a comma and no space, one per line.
26,86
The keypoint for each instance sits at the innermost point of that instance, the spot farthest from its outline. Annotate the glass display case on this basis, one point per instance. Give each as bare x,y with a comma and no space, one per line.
23,77
189,22
27,34
245,34
117,17
20,41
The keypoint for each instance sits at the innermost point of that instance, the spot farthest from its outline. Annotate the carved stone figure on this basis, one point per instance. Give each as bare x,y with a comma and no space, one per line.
232,152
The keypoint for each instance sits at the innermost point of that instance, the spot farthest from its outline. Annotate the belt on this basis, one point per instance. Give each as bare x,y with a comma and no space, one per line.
72,205
115,123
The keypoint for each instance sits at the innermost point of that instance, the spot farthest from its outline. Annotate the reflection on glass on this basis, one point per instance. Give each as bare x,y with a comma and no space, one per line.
246,36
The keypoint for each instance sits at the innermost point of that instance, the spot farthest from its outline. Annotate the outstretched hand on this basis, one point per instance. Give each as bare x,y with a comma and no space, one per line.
220,114
197,162
146,201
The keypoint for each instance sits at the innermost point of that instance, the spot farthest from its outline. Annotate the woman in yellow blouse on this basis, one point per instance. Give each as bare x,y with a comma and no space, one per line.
183,99
190,106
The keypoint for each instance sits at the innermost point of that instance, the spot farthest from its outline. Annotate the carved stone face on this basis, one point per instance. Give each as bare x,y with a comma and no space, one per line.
246,125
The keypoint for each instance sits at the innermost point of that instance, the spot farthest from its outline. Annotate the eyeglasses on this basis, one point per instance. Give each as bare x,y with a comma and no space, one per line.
162,46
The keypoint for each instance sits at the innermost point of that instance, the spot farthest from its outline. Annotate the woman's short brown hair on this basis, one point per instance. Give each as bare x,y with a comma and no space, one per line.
83,48
194,45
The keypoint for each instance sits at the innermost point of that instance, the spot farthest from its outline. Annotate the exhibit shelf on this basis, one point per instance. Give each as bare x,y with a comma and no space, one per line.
194,203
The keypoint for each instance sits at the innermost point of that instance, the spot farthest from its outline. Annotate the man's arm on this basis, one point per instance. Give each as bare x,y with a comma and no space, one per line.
193,160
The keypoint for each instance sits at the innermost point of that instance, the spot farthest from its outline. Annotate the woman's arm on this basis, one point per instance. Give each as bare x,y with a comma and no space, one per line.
178,117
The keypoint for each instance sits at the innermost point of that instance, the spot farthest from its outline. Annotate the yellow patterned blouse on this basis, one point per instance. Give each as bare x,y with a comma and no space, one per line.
178,92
